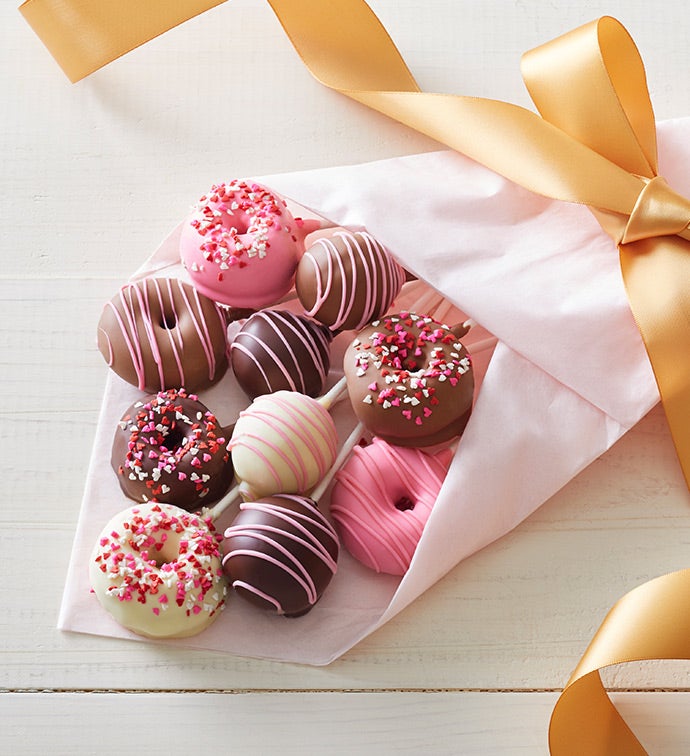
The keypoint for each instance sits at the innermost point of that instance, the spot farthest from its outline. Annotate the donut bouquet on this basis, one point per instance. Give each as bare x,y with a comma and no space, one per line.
162,567
317,419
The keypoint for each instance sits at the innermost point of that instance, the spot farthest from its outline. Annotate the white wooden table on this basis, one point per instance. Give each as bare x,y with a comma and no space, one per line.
92,176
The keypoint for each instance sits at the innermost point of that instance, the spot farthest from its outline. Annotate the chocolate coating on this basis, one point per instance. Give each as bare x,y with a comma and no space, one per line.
161,333
277,350
410,380
348,279
169,448
280,553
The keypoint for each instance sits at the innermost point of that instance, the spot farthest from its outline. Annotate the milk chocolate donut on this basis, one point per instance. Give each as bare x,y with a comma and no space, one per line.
410,380
277,350
345,280
170,448
162,333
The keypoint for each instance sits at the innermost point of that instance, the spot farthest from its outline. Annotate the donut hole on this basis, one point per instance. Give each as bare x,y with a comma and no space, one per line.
168,320
404,504
175,437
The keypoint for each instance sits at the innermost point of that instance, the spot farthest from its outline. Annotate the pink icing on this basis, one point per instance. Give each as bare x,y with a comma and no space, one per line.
241,245
367,489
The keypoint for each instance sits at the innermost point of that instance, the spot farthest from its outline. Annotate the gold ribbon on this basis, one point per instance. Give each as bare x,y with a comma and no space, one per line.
594,143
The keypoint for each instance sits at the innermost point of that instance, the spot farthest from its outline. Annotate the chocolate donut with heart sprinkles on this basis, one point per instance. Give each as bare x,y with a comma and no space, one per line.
410,380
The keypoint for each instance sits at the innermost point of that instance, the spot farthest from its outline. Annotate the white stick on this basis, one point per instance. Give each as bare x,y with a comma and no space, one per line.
220,506
333,394
350,443
480,346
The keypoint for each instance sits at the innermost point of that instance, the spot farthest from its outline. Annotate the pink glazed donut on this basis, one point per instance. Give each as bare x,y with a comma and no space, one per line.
381,500
241,245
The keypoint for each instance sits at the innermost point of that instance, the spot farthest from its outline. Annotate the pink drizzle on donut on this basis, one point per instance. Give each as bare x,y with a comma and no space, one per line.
381,280
313,340
381,500
135,296
305,421
276,553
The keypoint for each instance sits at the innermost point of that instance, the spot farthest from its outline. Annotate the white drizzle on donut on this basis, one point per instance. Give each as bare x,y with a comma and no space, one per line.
404,379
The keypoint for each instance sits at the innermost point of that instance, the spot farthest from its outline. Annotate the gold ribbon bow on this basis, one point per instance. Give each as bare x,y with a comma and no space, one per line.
594,144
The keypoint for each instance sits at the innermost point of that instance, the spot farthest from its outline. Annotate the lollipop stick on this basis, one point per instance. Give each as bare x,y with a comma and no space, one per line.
343,454
220,506
480,346
332,396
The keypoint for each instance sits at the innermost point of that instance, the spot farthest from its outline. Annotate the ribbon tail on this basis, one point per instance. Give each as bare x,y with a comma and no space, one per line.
656,273
585,721
650,622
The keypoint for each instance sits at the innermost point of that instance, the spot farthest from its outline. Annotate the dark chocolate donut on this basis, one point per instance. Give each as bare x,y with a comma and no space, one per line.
410,380
277,350
169,448
280,553
161,333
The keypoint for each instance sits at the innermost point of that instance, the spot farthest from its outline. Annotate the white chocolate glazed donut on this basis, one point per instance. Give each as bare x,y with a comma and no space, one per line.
157,570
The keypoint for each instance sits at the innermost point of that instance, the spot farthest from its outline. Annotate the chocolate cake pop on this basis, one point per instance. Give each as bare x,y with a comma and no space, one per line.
280,553
277,350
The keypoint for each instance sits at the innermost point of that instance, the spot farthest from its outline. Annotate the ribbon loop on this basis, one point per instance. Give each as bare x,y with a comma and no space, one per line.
659,211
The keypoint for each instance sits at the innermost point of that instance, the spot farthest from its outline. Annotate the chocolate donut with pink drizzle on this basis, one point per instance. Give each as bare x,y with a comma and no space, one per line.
345,280
280,553
162,333
276,350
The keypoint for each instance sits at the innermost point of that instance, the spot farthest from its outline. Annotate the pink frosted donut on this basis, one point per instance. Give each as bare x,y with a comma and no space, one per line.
241,245
381,500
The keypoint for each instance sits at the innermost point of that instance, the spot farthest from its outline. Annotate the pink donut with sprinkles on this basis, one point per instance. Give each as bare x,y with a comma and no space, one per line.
241,245
410,380
157,569
169,447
